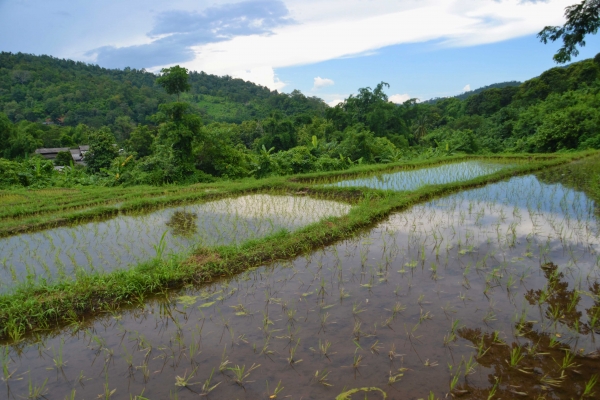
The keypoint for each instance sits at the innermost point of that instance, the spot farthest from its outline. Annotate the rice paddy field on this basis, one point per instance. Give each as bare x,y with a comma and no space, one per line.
482,283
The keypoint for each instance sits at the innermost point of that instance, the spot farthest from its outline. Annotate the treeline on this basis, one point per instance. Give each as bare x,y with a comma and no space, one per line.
557,111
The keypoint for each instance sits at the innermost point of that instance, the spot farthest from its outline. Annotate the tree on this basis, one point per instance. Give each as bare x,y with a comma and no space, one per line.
6,129
102,150
582,19
63,158
141,140
174,80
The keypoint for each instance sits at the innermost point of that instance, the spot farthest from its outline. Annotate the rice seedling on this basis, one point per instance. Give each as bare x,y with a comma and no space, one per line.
589,387
35,391
206,386
321,377
568,361
184,381
292,354
515,357
278,389
240,375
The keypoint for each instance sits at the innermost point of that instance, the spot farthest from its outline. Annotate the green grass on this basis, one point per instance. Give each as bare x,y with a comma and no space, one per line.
40,306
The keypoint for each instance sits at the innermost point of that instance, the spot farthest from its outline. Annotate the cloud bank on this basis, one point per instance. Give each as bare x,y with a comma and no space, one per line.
253,38
175,33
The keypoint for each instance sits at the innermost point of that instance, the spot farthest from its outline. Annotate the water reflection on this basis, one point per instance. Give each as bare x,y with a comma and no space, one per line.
414,179
183,223
129,240
489,293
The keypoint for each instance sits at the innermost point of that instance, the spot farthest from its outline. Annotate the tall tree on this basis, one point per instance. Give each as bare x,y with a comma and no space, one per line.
174,80
103,150
582,19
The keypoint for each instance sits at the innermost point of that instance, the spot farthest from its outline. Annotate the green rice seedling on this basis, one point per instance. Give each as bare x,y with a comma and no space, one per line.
321,377
128,358
324,348
224,362
160,247
423,316
396,376
356,332
59,363
454,380
481,348
470,365
206,386
35,391
184,381
589,386
515,357
489,316
5,359
547,380
323,318
292,354
567,361
375,347
278,389
240,375
265,349
356,309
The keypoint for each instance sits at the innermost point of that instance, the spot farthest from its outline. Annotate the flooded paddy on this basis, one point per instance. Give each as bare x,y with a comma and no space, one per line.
129,240
414,179
488,293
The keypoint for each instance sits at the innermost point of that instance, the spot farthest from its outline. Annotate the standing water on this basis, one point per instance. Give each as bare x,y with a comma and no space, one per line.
414,179
488,293
129,240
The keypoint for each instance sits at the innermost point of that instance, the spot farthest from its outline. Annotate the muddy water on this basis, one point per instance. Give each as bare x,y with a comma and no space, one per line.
129,240
493,290
414,179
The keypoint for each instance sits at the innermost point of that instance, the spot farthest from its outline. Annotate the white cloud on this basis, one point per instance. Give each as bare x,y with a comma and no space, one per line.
399,98
467,88
322,82
323,29
335,102
319,36
264,76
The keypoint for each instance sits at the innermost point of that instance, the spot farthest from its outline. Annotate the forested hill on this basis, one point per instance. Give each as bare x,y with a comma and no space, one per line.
44,88
466,95
249,131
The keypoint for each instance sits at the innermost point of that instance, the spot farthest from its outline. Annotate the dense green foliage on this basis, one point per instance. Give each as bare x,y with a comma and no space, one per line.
582,19
176,142
48,89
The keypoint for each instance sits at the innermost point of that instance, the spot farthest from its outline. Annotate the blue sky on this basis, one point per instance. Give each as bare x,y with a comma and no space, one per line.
325,48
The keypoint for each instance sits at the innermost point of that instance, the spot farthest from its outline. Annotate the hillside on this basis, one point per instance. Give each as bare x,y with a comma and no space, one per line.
466,95
248,131
44,88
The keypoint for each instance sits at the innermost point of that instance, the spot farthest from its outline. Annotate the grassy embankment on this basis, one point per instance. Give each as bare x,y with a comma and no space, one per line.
41,306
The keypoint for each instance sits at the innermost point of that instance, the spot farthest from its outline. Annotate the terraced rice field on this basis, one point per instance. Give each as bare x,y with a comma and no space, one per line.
486,293
126,241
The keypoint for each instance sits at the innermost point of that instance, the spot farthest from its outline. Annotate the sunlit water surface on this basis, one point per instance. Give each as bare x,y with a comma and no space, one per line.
128,240
442,297
414,179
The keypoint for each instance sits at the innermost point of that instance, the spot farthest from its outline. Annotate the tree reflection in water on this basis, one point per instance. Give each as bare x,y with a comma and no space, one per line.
538,365
183,223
